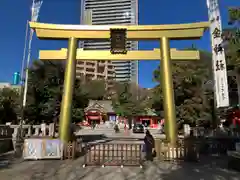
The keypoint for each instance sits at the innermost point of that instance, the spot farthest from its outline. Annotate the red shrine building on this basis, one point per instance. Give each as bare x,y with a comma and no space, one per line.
149,118
99,111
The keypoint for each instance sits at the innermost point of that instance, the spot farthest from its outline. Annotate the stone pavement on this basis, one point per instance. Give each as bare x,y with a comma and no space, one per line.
122,134
207,169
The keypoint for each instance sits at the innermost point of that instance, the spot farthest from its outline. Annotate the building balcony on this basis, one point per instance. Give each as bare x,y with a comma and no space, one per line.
123,68
90,64
111,75
111,72
122,75
90,73
123,72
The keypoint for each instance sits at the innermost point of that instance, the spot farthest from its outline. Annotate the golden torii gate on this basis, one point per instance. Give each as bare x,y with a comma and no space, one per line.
118,36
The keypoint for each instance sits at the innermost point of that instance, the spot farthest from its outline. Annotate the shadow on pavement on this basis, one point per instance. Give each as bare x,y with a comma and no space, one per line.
91,137
209,168
6,160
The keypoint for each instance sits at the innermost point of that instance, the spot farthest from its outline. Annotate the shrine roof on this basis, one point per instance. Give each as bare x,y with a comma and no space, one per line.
149,112
102,105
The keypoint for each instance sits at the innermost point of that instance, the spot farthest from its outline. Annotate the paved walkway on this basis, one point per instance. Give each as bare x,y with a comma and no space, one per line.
122,134
207,169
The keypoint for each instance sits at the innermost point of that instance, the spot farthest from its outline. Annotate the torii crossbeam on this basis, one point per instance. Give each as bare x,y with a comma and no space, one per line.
86,55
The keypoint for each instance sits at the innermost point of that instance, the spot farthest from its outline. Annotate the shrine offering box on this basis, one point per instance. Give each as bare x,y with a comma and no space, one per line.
42,148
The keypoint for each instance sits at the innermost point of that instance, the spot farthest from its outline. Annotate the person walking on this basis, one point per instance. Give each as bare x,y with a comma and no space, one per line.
149,145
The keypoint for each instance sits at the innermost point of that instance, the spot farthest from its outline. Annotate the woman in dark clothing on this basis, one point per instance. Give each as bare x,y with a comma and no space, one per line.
149,145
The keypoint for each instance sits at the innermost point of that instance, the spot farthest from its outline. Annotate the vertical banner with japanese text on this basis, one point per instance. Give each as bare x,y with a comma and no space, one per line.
218,55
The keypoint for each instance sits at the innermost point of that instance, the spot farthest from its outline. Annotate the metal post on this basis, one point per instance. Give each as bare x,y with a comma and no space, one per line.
69,80
35,12
27,69
22,80
168,94
25,88
24,53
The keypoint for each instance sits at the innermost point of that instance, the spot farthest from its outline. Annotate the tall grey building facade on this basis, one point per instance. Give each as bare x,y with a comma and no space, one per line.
112,12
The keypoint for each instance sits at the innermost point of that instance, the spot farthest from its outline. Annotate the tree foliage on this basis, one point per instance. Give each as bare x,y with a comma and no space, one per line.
129,100
234,15
9,105
94,89
191,101
45,93
231,39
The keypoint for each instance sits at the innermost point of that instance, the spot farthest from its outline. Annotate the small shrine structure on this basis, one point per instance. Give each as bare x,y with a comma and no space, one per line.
99,111
149,118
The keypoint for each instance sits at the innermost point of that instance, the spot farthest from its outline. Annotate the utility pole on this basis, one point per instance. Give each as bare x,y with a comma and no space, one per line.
36,5
35,8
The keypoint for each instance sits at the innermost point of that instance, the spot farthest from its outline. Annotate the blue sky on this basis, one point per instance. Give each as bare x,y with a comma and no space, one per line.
14,14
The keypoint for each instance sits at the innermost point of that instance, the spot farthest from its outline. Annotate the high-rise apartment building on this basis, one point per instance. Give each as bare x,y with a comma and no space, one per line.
112,12
95,70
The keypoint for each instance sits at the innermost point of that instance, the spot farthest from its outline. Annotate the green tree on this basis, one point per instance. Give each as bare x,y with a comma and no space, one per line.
9,105
234,15
127,101
231,38
190,95
231,44
45,93
80,101
94,89
232,49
